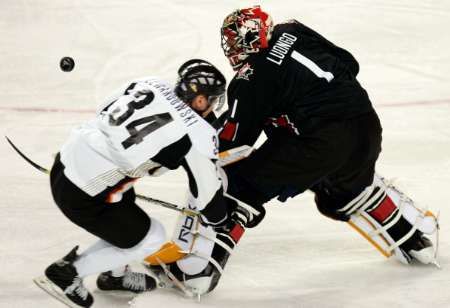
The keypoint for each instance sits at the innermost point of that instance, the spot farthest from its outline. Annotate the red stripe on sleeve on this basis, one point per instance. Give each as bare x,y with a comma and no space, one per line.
228,131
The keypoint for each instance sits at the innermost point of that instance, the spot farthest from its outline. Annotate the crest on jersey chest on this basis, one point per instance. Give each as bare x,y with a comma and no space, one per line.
245,72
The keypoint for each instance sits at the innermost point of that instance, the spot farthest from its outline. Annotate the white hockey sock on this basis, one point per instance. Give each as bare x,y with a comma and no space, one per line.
102,256
119,272
100,244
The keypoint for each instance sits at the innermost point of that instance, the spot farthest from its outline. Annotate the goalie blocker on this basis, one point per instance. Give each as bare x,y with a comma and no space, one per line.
390,221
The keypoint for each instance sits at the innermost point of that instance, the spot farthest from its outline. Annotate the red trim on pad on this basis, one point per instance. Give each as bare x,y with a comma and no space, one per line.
236,232
384,210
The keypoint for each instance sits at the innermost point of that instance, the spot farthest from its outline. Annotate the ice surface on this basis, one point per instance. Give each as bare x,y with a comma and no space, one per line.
296,258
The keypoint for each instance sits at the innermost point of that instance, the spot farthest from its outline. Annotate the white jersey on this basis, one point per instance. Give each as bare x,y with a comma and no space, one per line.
144,121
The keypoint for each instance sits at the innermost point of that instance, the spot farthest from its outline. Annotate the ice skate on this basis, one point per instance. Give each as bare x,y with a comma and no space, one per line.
420,248
61,281
130,281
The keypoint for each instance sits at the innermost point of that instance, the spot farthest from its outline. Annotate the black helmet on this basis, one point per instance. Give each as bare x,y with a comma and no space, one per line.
197,77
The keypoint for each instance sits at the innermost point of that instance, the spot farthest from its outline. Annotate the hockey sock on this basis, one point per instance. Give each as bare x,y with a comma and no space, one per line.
119,272
102,256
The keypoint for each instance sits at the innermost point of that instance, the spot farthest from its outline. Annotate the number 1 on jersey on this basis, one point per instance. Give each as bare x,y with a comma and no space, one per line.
313,67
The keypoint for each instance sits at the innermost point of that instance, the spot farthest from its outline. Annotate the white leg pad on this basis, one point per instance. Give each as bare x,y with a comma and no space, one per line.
380,207
198,243
422,218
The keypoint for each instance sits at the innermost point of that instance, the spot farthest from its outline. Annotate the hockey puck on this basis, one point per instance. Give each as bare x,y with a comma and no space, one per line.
67,64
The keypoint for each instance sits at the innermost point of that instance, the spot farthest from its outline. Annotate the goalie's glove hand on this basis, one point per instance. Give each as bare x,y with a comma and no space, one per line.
234,229
216,214
216,223
226,227
222,219
248,219
244,217
226,214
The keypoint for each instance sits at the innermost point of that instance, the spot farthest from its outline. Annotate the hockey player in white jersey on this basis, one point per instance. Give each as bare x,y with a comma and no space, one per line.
144,129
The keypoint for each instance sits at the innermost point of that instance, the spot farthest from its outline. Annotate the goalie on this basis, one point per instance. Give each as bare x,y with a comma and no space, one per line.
323,133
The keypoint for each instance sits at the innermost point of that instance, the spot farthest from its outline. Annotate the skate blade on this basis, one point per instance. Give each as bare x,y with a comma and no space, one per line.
45,284
121,293
163,281
437,264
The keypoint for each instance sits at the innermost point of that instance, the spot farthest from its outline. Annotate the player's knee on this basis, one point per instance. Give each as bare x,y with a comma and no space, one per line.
156,235
151,242
329,207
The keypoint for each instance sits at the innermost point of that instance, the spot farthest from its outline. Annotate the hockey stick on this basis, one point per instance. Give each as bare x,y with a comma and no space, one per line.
165,204
168,205
40,168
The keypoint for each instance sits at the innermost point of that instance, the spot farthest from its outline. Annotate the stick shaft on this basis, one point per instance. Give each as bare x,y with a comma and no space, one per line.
38,167
168,205
141,197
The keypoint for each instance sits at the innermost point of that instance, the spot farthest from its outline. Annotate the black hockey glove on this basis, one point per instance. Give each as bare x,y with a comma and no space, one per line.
216,212
224,227
221,217
226,214
206,221
243,216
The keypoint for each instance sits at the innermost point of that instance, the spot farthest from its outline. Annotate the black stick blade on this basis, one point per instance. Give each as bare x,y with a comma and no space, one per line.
40,168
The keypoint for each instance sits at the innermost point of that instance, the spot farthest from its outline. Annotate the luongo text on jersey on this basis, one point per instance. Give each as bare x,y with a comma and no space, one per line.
281,48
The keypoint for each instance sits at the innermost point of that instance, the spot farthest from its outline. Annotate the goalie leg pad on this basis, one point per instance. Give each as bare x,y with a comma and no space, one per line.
203,253
168,253
205,280
392,222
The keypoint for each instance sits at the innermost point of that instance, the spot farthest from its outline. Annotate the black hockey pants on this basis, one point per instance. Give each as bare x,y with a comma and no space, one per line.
122,224
336,161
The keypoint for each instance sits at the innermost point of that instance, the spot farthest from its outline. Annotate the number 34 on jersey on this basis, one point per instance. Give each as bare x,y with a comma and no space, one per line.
150,111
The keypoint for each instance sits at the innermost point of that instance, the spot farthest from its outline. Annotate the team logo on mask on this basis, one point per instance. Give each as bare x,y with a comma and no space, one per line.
245,72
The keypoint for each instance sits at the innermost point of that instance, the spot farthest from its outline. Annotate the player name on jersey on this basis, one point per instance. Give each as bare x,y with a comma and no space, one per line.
281,48
187,114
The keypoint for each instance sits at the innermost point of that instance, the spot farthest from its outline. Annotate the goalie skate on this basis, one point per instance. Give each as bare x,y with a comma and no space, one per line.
167,280
423,251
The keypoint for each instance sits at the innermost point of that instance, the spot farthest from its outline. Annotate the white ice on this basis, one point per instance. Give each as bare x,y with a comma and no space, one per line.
296,258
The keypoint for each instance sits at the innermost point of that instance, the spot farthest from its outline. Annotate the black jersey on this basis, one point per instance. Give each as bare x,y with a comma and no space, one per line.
300,80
